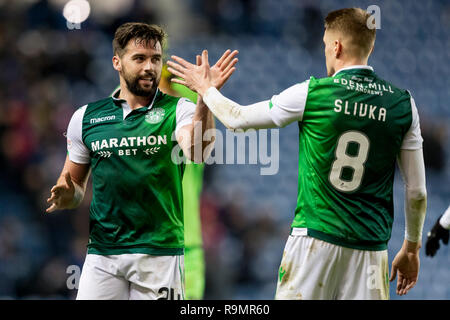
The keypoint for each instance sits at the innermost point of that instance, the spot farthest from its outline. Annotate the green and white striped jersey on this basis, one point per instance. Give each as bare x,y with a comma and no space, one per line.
137,204
351,128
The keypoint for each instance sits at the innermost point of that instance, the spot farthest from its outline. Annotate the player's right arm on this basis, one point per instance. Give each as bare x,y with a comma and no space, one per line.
281,110
68,192
70,186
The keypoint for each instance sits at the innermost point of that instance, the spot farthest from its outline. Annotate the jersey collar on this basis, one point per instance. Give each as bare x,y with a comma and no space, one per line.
361,66
117,100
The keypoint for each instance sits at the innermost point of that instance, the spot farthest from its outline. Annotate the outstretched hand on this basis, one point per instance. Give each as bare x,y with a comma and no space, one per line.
224,68
62,194
200,77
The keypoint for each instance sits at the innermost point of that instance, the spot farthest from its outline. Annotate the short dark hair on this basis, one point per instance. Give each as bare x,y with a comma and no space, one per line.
352,22
140,32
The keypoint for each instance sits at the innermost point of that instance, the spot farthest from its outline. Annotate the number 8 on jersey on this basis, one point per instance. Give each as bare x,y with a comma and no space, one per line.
344,160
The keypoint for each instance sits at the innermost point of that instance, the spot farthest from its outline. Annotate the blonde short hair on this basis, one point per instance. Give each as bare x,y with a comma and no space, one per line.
352,23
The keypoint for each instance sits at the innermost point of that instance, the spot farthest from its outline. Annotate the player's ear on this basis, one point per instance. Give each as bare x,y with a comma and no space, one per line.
117,64
337,48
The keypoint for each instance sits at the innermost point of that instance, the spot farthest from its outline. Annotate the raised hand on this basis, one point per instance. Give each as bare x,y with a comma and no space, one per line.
62,194
224,68
201,76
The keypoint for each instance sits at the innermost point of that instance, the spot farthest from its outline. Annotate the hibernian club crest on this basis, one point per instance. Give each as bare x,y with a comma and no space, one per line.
155,115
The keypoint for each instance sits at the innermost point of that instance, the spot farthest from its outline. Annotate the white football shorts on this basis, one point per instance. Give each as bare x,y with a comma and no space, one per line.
313,269
132,277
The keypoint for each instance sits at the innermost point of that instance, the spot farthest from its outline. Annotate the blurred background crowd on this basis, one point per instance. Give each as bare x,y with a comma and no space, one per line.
49,67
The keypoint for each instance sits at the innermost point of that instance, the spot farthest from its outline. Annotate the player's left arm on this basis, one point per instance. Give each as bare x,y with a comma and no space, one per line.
191,136
410,160
407,263
412,168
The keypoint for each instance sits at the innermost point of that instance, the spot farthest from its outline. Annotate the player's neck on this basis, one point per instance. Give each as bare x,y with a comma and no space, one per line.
135,102
341,64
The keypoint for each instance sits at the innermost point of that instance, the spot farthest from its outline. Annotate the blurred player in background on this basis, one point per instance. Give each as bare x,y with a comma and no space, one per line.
440,231
353,125
194,257
136,238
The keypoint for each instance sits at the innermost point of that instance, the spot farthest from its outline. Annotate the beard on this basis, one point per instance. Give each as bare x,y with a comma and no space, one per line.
136,88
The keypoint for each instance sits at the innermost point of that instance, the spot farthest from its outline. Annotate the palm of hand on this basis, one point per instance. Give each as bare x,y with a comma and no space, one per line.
201,76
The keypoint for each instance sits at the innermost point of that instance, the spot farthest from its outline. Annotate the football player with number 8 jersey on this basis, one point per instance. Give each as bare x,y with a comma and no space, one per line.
353,126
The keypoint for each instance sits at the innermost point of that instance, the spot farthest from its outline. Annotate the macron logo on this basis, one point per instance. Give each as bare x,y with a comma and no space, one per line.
107,118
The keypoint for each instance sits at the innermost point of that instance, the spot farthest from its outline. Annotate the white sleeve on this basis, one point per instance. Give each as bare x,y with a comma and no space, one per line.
282,109
413,138
445,219
184,113
77,150
289,105
412,168
235,116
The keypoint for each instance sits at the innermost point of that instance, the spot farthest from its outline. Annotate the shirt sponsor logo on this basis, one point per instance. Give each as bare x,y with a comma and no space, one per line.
102,119
127,142
371,88
155,115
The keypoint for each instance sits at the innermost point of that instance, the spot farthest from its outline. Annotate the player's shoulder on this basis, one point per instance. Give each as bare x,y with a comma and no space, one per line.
80,109
164,97
395,88
397,96
78,115
98,104
315,81
94,109
168,101
297,88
